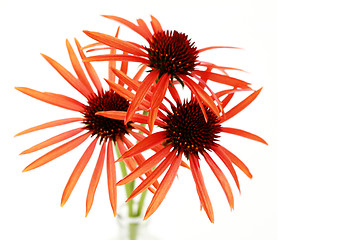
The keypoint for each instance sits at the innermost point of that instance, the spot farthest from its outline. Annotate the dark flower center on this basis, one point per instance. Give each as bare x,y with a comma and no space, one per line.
172,52
104,127
188,131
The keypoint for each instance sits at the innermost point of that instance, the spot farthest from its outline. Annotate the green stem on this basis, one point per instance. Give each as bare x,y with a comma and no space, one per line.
141,202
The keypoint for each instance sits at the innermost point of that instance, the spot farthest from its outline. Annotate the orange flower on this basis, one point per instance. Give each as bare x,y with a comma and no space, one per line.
172,58
186,132
103,130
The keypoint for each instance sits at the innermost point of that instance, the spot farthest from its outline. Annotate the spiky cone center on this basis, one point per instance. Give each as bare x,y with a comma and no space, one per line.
172,52
103,127
188,131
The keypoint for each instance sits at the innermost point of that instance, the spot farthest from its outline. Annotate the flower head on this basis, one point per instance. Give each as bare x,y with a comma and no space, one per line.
172,58
185,132
103,130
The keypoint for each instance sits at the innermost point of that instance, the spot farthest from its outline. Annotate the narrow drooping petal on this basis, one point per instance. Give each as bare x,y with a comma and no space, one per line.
49,125
78,69
146,166
215,47
130,162
53,140
129,24
164,187
116,57
79,168
121,90
144,27
243,133
57,152
241,106
54,99
221,178
204,96
228,163
152,140
156,25
116,43
90,69
95,179
158,96
112,64
75,83
141,128
126,80
223,79
200,186
235,160
154,175
143,89
111,177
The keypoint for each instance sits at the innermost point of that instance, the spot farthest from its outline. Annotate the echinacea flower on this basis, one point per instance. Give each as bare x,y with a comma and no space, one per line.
186,133
103,130
172,58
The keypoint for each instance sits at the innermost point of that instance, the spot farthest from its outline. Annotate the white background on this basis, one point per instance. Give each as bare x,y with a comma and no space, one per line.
304,53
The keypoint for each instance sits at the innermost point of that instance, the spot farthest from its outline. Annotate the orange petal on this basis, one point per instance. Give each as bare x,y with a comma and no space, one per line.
223,79
95,179
202,95
139,73
140,94
79,168
57,152
146,166
241,106
116,57
116,43
200,186
150,141
228,163
156,25
141,128
164,187
129,24
78,69
215,47
126,80
75,83
54,140
144,28
235,160
112,64
49,125
154,175
90,69
243,133
130,162
221,178
111,177
121,90
54,99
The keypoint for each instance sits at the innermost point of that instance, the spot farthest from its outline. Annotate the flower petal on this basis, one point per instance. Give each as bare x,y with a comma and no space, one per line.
164,187
148,142
243,133
156,25
74,82
223,79
95,179
90,69
140,94
78,69
79,168
146,166
116,57
215,47
235,160
228,163
241,106
49,125
111,177
116,43
54,99
57,152
129,24
200,187
154,175
221,178
54,140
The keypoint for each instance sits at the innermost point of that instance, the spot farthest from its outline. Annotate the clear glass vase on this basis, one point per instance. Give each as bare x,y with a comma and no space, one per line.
133,227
